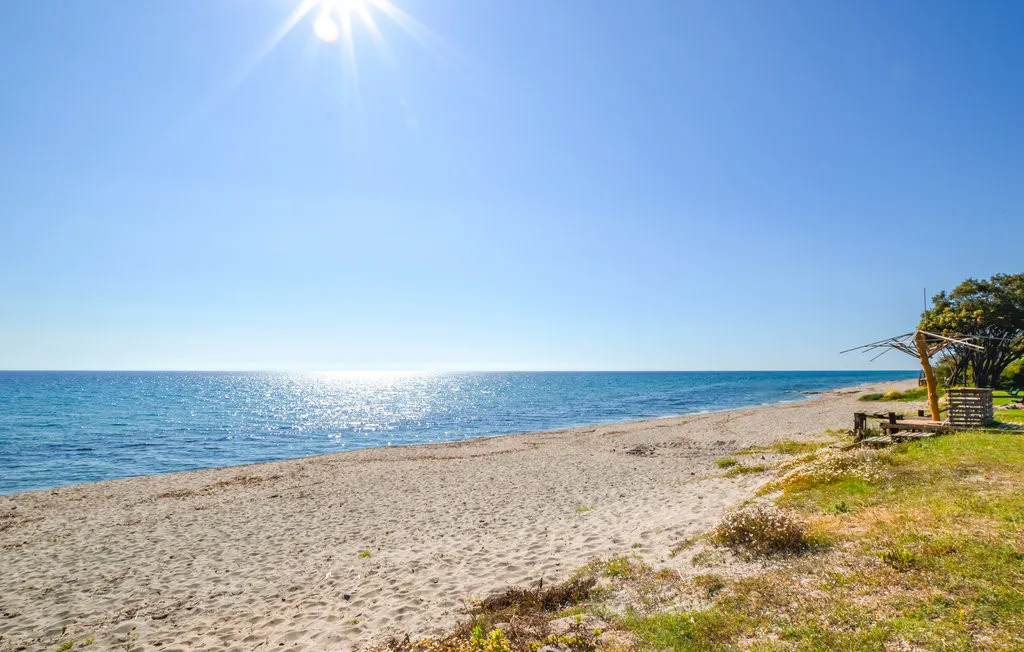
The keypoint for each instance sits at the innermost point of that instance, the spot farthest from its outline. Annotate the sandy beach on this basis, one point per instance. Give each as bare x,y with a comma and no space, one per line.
334,552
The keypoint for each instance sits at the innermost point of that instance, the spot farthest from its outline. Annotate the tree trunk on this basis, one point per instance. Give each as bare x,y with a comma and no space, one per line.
929,376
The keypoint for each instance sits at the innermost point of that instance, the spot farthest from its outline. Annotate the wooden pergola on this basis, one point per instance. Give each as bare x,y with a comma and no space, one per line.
921,345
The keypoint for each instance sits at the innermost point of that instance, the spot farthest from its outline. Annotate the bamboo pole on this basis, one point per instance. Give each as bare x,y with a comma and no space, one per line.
929,375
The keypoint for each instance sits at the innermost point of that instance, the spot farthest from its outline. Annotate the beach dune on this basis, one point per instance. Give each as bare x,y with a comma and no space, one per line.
333,552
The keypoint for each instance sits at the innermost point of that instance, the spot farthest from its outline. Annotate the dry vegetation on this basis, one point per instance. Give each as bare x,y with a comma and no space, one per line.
760,531
917,547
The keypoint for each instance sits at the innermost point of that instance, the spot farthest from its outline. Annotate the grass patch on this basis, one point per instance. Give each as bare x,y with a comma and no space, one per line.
692,630
790,447
899,558
1002,397
917,394
742,469
364,553
1007,416
1010,416
928,550
726,462
838,507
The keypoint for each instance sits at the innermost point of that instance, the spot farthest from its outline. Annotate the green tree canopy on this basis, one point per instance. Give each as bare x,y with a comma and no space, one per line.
991,311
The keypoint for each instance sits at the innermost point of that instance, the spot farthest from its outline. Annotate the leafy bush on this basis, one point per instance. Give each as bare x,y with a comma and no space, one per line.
761,530
1013,375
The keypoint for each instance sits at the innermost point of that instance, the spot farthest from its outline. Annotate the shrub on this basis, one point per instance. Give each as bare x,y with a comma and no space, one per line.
826,467
1013,375
839,507
761,530
871,397
519,600
899,558
709,585
478,641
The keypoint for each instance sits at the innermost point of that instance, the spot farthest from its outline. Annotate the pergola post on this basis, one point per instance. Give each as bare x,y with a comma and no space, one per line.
929,375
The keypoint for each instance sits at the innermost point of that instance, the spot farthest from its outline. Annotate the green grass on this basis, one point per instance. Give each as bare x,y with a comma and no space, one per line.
1007,416
726,462
1011,416
929,556
364,553
692,630
742,469
790,447
999,397
917,394
618,566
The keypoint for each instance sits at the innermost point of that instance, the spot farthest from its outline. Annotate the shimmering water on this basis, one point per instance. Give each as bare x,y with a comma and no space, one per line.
59,428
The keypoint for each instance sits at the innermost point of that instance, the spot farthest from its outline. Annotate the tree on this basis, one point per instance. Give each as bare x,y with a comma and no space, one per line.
1013,376
991,311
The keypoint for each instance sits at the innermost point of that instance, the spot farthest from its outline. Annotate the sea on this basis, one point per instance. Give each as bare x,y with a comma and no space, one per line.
63,428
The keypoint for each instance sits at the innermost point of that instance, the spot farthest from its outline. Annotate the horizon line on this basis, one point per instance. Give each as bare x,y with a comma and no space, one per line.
439,371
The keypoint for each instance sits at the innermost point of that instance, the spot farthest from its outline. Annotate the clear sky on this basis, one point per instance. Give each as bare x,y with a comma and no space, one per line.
572,184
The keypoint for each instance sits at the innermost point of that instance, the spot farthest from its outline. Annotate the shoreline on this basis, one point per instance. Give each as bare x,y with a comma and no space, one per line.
335,550
801,397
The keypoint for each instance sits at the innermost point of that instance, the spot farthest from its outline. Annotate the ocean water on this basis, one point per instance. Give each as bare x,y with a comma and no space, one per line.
61,428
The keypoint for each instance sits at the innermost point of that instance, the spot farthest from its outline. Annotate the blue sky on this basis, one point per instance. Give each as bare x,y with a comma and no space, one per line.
530,185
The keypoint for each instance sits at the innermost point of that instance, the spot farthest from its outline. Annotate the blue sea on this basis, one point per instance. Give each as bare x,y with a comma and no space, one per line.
61,428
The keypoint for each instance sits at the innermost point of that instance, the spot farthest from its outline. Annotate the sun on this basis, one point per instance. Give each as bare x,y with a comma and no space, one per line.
336,23
335,17
331,12
325,28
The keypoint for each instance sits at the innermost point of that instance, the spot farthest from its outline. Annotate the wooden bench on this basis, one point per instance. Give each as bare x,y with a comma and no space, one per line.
860,421
915,425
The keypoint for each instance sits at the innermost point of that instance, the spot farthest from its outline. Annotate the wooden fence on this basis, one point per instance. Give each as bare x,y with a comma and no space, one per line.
970,406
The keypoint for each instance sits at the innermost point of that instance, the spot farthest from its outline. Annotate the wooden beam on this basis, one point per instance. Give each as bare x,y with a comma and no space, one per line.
929,375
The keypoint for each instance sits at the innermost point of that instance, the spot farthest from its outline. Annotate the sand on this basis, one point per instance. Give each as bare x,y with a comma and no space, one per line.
333,552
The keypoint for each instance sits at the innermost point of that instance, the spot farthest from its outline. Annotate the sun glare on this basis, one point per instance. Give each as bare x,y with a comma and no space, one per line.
333,13
336,23
325,28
